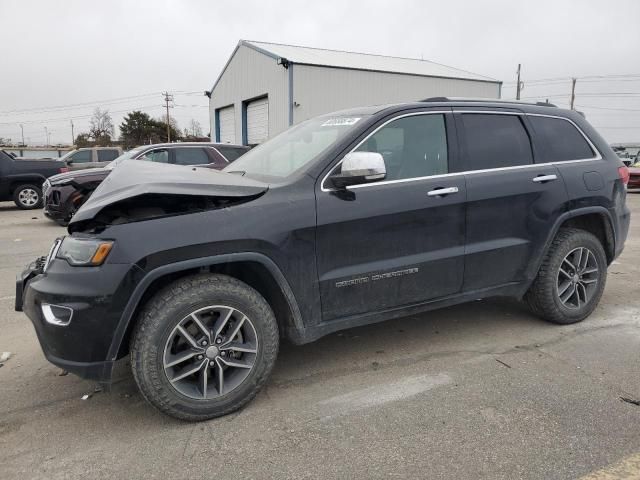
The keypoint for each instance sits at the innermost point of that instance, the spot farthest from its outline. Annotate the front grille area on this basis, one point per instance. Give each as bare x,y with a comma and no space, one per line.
39,263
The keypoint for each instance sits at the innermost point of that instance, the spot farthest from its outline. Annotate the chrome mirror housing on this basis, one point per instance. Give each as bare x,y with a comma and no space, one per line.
358,168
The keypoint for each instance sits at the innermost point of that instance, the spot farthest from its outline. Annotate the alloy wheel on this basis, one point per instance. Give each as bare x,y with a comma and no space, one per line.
210,352
577,278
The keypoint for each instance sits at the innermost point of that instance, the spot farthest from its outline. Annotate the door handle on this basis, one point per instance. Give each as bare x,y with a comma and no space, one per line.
442,191
545,178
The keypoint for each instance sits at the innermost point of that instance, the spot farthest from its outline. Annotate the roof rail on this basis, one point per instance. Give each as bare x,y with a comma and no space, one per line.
487,100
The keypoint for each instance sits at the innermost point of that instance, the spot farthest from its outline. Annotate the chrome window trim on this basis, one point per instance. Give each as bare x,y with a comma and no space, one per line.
218,152
597,156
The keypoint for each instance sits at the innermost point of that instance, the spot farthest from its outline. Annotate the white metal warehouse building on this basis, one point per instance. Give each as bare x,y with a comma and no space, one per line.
266,87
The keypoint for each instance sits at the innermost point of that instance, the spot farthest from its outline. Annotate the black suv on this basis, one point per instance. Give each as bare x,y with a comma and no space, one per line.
347,219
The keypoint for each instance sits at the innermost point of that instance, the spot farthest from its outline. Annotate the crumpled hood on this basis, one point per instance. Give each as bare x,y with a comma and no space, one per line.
62,177
134,178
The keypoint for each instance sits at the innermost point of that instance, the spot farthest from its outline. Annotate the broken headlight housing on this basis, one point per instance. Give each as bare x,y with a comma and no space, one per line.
85,252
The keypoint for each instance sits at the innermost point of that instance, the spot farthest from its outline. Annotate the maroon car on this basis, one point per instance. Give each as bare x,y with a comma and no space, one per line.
634,176
65,193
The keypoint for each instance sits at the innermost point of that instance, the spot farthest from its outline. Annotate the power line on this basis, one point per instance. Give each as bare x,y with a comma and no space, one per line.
586,77
610,108
77,117
75,105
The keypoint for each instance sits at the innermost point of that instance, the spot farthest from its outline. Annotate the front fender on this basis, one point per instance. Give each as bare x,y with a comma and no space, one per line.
190,264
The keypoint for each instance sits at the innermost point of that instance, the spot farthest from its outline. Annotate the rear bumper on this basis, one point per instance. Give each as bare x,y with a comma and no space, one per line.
96,295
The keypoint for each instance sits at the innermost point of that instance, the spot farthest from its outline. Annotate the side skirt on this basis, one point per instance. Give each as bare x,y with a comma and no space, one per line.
514,289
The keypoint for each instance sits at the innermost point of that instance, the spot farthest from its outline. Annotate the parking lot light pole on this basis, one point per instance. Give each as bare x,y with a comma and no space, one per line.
22,130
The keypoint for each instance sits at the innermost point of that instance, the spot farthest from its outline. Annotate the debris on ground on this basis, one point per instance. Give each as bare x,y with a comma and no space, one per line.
63,373
631,401
5,356
87,396
503,363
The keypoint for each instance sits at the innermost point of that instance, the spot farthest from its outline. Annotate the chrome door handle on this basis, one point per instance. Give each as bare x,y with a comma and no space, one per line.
545,178
442,191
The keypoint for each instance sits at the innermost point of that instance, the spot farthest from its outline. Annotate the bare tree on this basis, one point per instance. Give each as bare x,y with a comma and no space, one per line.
101,126
195,129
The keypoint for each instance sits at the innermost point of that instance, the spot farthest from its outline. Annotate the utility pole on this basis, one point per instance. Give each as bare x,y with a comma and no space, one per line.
519,84
168,98
46,134
573,92
22,130
73,138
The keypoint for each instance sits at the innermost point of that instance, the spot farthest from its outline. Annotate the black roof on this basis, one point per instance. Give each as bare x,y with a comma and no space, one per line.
447,102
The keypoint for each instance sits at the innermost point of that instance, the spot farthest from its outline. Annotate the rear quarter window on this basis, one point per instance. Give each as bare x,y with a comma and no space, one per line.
561,139
107,155
231,153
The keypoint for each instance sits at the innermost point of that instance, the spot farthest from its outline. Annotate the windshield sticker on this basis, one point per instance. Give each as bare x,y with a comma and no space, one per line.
341,121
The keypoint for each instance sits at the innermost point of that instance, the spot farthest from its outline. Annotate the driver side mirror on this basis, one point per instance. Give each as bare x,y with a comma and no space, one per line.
359,168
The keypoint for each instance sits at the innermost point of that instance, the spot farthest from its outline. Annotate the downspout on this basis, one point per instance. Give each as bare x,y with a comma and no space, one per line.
290,93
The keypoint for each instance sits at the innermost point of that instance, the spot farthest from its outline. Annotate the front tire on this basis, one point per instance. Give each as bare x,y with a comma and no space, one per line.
28,197
571,279
203,347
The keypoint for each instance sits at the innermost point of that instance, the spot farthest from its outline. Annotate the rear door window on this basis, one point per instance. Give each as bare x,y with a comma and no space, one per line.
562,141
191,156
107,155
496,141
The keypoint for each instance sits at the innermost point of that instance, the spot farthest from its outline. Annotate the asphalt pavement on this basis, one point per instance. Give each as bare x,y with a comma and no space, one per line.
481,390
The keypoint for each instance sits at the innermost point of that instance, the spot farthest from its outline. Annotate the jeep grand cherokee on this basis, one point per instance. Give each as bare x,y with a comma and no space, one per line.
346,219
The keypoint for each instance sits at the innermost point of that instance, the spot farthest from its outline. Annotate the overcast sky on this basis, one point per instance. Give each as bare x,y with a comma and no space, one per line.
65,53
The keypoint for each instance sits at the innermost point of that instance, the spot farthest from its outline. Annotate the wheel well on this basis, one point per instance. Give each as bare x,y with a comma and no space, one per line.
598,225
16,184
254,274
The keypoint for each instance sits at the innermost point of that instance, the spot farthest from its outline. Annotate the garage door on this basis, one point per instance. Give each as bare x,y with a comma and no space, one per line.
257,121
227,119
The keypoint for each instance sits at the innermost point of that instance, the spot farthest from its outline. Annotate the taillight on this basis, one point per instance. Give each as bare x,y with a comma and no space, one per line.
624,174
64,169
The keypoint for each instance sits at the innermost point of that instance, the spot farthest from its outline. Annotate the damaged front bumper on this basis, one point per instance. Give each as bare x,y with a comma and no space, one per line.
75,312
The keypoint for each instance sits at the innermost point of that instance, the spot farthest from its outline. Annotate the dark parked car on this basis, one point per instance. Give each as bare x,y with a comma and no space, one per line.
21,180
65,193
347,219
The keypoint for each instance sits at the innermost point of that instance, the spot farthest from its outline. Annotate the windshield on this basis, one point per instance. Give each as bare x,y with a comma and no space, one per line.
286,153
67,155
125,156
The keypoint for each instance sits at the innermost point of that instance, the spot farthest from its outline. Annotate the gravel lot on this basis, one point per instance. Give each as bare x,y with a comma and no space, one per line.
483,390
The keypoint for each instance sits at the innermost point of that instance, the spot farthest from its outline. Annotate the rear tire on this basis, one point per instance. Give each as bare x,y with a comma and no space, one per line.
571,279
28,197
214,325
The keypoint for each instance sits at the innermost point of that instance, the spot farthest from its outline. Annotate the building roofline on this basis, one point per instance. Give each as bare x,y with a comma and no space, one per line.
273,55
392,72
251,44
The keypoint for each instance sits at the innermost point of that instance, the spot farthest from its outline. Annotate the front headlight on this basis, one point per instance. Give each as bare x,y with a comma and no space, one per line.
84,251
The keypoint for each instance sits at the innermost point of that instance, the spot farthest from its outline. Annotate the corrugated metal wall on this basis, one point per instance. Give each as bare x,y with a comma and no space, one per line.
319,90
252,74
